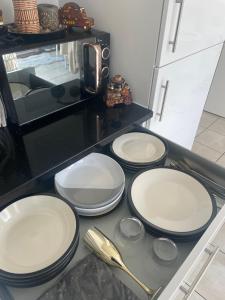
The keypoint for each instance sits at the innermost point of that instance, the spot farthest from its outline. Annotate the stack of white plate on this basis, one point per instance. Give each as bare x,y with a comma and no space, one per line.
171,203
39,236
94,184
138,150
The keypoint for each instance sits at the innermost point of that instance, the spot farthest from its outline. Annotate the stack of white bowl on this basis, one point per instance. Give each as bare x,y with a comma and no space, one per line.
94,184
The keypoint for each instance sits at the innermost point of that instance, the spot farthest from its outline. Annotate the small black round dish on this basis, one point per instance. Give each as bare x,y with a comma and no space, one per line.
171,203
139,150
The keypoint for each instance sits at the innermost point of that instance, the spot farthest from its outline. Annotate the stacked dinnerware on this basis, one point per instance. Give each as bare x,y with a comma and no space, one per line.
26,16
94,184
171,203
39,236
139,150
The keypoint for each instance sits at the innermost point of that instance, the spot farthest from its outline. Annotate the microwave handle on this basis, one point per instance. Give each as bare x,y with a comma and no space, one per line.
98,66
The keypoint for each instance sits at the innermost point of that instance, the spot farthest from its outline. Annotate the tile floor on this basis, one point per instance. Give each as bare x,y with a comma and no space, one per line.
210,138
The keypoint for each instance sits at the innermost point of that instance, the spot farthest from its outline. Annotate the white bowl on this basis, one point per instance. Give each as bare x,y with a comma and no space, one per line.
34,233
92,182
101,210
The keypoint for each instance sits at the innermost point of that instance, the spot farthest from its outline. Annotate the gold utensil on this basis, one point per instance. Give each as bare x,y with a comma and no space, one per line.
107,251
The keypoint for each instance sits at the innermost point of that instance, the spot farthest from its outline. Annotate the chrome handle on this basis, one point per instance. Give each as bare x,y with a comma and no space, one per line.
174,42
190,291
98,68
165,87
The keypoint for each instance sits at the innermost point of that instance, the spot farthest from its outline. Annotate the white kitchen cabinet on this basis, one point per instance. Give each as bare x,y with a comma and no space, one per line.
189,26
141,51
179,93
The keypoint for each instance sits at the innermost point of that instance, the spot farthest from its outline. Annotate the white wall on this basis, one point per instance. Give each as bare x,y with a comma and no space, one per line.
134,27
7,7
134,37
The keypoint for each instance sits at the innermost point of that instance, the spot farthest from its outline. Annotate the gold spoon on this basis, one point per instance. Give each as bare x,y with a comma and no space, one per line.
107,251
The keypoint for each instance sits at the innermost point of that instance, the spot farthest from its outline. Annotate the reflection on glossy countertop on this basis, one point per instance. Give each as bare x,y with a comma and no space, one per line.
48,147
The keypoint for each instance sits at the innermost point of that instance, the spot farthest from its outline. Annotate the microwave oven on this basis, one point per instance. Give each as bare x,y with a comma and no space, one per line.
40,78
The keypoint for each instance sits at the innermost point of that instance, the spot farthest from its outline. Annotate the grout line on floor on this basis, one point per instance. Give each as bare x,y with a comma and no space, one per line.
223,134
217,117
220,156
201,132
208,147
212,123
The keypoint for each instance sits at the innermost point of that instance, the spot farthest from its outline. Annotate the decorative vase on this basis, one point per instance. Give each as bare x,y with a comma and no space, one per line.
26,16
48,16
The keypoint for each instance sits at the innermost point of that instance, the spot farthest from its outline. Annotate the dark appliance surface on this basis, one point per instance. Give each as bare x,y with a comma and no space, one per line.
40,150
57,72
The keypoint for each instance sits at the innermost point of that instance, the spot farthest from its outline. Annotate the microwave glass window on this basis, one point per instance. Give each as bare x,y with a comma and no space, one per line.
48,78
41,68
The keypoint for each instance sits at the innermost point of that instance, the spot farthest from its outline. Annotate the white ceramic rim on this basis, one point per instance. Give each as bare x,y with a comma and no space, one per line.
93,160
35,232
154,147
156,195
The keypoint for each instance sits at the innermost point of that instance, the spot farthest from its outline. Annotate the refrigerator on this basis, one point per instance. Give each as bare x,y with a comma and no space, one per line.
168,51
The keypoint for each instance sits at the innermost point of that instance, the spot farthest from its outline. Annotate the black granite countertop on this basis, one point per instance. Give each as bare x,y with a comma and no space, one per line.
39,152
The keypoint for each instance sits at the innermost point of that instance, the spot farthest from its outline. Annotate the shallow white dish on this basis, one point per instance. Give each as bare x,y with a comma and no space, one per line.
138,147
171,200
34,233
91,182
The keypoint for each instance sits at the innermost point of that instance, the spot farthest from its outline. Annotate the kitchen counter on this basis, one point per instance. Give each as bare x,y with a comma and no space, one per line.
36,153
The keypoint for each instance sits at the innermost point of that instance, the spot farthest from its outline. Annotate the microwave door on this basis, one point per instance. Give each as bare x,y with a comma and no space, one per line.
92,55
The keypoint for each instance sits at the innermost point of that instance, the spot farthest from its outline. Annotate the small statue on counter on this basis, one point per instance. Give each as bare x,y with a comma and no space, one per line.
3,28
72,15
1,18
118,92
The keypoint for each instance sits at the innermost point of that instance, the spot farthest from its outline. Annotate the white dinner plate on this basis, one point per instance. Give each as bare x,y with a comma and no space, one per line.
171,200
138,147
34,233
91,182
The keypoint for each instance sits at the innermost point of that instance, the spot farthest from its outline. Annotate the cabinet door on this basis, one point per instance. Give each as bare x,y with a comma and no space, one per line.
179,93
189,26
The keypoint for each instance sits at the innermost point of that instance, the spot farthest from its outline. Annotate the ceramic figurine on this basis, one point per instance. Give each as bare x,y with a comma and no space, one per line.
3,29
1,18
118,92
72,15
48,16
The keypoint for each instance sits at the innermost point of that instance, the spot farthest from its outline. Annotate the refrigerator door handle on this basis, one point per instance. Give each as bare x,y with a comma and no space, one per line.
174,42
165,87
